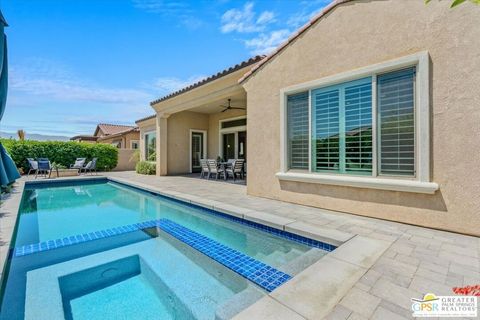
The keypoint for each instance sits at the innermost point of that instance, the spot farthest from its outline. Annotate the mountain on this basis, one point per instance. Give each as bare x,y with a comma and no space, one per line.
34,136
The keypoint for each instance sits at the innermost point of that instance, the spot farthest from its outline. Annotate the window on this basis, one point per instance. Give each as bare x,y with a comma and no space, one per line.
396,118
134,144
297,110
234,123
342,128
367,128
150,146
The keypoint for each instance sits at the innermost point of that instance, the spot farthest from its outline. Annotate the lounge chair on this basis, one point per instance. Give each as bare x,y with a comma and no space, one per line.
91,167
205,171
33,166
213,168
235,169
79,163
44,166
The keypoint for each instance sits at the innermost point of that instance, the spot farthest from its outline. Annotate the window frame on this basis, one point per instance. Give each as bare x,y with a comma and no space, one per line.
145,144
134,141
421,181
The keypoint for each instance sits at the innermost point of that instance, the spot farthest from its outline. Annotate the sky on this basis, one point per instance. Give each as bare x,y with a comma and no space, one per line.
76,63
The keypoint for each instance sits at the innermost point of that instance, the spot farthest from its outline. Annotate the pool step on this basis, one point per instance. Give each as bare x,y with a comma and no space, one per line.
258,272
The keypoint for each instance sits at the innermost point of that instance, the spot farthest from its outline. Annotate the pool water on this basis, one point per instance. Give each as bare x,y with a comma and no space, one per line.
59,212
155,274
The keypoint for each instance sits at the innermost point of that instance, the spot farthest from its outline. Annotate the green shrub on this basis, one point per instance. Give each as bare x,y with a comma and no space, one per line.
145,167
62,153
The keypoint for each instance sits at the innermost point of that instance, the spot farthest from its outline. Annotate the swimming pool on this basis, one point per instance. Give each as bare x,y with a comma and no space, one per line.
100,249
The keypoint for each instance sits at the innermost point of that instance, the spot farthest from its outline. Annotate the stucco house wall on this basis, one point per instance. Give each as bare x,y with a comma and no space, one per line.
358,34
178,136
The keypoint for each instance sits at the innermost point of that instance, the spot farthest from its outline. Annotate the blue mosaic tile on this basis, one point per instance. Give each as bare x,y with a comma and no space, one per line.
258,272
68,241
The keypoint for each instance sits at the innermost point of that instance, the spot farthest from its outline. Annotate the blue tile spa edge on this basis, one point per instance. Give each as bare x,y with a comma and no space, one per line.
68,241
258,272
277,232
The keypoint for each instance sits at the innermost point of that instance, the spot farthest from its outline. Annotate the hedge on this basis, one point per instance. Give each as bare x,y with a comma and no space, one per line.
145,167
63,153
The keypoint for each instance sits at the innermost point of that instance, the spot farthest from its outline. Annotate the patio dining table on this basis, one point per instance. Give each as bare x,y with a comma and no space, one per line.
224,165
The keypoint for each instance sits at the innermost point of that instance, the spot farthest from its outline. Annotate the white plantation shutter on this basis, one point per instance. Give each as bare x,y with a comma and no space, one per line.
342,127
396,102
297,123
358,128
326,129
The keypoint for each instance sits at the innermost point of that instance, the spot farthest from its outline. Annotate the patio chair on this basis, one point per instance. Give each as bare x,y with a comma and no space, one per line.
79,162
213,168
33,166
91,167
44,166
235,169
205,171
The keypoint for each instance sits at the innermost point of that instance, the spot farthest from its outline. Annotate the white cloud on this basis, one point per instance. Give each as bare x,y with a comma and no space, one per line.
243,20
267,42
168,85
266,17
48,79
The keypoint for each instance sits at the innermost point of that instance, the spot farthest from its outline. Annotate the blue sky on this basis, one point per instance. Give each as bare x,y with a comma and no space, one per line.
76,63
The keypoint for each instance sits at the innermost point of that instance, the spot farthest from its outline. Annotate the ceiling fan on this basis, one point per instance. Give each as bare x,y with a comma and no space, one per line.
229,106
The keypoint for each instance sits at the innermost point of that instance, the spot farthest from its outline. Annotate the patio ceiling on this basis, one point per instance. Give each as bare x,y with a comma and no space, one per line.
207,98
215,106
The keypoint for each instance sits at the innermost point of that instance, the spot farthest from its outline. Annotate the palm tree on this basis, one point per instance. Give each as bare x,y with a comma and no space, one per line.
21,134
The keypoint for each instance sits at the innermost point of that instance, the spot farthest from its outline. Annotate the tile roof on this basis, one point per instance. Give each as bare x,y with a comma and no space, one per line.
145,118
109,129
293,37
211,78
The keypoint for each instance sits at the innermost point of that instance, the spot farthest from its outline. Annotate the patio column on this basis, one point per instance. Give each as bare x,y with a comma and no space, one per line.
161,148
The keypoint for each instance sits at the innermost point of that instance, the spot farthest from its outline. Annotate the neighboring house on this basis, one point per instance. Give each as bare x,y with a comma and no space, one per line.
371,108
123,137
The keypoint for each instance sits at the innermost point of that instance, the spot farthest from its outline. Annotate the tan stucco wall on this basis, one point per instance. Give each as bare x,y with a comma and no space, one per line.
214,127
126,161
358,34
145,126
178,136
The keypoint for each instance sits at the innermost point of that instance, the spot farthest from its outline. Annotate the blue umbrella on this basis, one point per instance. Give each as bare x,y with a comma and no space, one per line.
8,170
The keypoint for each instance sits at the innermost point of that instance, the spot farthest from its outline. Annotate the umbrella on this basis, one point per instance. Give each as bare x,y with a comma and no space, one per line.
8,170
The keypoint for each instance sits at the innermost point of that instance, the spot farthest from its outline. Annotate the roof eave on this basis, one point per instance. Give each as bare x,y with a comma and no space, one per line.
218,75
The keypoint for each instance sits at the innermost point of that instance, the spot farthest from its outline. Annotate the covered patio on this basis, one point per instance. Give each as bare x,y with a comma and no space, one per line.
207,120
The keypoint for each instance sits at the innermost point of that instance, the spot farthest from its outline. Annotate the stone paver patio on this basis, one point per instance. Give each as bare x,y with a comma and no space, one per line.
418,261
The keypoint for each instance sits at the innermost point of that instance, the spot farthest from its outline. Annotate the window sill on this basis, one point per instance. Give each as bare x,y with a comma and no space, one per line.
361,182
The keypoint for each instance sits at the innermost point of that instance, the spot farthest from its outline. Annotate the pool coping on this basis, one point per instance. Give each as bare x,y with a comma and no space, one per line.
311,294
